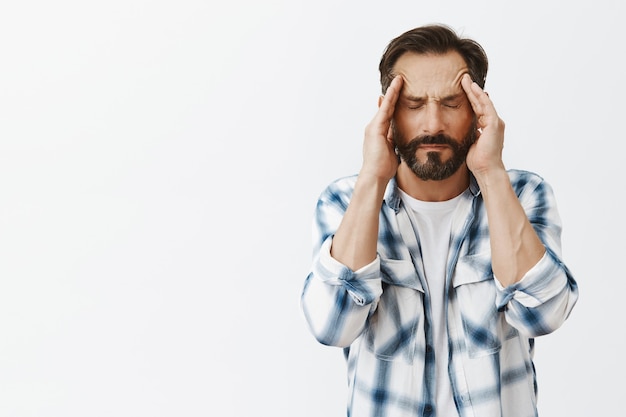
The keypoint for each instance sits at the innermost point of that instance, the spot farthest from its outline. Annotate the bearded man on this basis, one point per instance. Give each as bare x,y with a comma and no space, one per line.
435,267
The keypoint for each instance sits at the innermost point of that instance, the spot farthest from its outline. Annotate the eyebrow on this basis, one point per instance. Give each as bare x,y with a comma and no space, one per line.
449,97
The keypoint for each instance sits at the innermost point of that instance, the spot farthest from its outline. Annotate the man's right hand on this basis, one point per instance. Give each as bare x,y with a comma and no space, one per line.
379,157
354,243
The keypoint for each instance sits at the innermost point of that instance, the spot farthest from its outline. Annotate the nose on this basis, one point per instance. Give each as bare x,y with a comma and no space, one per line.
433,119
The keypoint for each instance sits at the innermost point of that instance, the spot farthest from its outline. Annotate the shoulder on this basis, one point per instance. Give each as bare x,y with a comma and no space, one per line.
521,179
338,192
343,186
530,185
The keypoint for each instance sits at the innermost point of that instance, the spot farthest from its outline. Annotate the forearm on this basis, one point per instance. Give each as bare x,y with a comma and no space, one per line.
515,246
355,242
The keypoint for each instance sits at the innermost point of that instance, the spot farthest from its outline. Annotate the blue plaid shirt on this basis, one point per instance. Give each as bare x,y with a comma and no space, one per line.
381,315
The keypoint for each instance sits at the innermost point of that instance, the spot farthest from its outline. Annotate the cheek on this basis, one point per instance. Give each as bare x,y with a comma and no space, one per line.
462,123
405,122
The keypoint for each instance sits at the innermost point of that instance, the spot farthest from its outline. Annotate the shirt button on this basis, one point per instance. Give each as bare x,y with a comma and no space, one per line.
428,409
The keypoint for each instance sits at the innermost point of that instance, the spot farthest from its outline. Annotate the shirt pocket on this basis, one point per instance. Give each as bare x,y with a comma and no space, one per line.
396,328
483,325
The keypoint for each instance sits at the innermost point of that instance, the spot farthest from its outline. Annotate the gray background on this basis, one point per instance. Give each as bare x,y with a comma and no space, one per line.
159,166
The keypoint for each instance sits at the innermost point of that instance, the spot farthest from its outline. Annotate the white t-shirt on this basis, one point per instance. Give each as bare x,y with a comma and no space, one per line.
433,221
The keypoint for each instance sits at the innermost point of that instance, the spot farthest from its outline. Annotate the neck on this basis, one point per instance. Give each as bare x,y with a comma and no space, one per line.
431,190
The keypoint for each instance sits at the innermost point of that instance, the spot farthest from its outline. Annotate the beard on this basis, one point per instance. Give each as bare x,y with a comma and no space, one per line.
434,168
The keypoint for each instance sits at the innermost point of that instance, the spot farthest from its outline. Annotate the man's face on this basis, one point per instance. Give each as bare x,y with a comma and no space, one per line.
434,167
433,123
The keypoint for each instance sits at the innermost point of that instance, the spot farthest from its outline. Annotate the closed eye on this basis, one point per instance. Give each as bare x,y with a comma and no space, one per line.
414,103
452,102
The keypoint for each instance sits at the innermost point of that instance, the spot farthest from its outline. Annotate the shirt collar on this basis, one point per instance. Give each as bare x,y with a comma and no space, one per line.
393,198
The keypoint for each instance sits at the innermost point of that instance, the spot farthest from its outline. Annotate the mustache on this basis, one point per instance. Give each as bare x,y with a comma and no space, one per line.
440,139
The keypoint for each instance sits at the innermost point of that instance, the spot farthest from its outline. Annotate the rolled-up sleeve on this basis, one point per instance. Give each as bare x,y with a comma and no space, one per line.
541,301
336,301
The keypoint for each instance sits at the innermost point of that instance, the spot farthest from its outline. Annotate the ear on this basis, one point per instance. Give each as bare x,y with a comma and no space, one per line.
380,100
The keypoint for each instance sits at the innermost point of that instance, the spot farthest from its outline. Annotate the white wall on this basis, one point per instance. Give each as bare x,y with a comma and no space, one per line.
159,164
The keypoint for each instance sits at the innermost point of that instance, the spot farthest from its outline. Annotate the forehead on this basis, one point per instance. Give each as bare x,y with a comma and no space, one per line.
429,75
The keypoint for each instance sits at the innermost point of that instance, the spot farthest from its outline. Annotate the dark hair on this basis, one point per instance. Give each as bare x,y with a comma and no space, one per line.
434,39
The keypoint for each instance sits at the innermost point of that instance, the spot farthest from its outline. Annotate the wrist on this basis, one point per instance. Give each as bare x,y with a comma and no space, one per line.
491,177
372,185
373,179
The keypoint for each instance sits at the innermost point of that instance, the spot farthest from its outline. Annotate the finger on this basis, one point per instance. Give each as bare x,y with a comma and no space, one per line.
388,105
479,99
473,95
381,122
